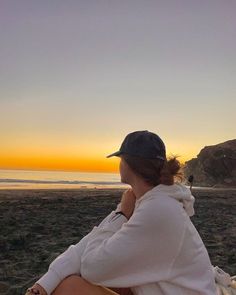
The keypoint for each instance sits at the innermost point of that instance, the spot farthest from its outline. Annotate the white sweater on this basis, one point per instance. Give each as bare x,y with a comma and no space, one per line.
158,251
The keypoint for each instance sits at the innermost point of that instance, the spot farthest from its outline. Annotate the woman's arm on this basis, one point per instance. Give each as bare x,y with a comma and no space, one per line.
142,251
69,262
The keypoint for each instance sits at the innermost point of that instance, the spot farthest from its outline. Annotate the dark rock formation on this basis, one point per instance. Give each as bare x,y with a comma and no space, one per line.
215,165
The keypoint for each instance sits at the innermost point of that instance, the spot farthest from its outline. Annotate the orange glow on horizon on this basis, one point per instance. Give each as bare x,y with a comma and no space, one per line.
56,163
61,164
85,157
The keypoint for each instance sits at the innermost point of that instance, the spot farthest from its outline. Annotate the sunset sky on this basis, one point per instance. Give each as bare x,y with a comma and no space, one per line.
78,76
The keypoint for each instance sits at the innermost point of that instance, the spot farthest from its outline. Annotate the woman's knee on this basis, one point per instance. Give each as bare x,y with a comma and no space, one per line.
72,283
75,284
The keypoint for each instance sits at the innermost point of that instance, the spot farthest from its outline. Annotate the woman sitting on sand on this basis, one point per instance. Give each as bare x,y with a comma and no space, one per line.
147,245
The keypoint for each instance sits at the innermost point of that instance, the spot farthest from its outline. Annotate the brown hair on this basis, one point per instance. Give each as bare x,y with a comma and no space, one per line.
155,171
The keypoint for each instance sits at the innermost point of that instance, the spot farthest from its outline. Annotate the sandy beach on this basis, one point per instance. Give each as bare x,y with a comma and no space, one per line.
38,225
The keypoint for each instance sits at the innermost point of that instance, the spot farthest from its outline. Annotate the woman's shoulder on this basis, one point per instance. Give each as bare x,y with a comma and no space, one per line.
160,208
159,201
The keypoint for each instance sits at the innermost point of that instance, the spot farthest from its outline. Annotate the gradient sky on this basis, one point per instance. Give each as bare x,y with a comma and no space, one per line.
78,76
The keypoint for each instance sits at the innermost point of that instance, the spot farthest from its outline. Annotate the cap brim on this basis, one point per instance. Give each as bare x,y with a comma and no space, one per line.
114,154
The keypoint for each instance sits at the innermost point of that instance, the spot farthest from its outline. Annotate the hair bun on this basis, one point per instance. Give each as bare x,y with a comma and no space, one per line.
173,166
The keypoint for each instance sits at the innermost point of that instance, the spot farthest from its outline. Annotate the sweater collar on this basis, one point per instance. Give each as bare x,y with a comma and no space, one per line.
177,191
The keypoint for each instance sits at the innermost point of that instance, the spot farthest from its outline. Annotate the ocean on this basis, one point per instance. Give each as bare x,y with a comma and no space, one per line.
26,179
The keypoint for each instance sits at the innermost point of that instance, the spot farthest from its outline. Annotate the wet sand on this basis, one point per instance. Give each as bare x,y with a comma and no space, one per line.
38,225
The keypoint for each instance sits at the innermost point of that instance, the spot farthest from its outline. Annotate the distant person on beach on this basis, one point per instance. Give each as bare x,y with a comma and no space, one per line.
147,245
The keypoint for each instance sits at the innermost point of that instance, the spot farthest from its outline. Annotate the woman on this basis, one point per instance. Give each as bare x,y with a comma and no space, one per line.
148,245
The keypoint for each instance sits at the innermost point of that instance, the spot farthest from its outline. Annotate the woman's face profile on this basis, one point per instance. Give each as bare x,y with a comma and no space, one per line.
124,171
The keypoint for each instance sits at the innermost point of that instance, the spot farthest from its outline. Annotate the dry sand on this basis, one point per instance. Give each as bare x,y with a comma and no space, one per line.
38,225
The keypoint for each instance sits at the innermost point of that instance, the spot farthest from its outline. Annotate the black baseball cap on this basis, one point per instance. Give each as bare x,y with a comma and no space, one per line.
143,144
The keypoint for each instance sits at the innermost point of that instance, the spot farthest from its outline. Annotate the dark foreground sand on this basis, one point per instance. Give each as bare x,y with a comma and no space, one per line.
37,225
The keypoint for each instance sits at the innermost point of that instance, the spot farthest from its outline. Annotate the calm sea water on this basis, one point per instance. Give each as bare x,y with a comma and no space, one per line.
24,179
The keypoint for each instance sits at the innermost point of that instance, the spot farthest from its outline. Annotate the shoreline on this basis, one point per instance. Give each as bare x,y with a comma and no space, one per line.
23,193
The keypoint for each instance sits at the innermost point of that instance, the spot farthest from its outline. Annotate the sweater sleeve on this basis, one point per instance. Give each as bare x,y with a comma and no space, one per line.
141,252
69,262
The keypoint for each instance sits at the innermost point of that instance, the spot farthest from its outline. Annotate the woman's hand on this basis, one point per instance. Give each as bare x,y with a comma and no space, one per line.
128,202
37,287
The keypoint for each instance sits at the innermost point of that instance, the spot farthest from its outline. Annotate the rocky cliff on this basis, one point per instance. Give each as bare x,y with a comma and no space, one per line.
215,165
